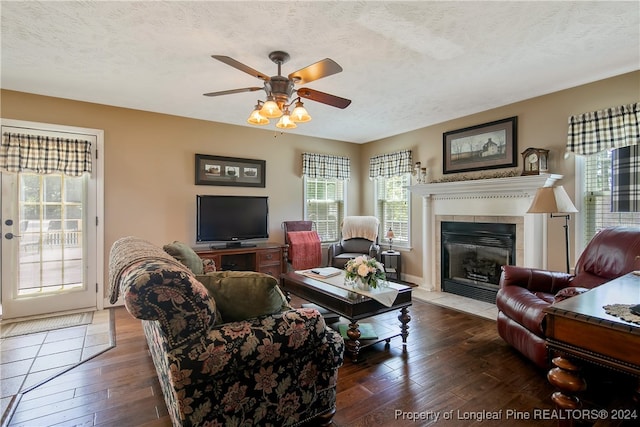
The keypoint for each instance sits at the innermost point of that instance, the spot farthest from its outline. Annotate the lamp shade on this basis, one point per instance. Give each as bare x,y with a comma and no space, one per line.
552,200
300,114
270,109
256,119
285,122
390,234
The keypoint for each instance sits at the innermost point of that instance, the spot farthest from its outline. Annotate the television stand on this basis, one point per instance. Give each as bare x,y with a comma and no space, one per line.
241,245
269,258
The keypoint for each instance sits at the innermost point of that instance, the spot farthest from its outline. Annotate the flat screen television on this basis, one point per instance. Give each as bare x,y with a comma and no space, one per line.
231,219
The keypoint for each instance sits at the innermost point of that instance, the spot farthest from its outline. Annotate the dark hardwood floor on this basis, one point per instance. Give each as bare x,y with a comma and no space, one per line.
454,364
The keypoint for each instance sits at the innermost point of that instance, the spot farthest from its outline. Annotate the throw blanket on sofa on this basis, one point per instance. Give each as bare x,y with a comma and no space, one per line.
127,251
360,226
304,250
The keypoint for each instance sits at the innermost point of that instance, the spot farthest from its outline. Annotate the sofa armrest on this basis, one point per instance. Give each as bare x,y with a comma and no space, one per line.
156,290
533,279
374,251
334,249
238,346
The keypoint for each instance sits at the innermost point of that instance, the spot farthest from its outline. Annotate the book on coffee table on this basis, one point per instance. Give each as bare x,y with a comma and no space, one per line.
322,272
366,331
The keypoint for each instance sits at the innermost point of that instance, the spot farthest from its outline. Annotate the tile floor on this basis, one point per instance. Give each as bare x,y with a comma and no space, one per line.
28,360
456,302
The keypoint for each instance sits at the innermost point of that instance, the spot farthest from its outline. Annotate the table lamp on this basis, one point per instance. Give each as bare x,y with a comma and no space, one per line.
389,235
553,200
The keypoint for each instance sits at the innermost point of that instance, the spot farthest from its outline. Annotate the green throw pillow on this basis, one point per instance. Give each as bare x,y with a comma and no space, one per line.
242,295
185,255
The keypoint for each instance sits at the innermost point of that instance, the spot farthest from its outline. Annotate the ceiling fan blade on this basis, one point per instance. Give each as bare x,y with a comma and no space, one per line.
325,98
316,71
240,66
229,92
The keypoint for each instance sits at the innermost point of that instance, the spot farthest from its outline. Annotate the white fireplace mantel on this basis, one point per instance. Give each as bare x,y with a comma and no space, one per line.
517,184
483,198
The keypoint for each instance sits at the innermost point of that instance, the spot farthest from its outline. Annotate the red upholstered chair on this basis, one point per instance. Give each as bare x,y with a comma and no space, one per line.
525,292
304,244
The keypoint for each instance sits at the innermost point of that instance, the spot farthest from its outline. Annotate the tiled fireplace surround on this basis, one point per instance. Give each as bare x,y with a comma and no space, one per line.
494,200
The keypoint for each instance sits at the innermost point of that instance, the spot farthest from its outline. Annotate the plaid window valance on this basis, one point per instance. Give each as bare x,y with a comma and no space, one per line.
625,179
615,127
390,164
325,166
44,155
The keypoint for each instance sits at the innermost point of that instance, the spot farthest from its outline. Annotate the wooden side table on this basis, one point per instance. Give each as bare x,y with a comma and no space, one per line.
392,264
579,329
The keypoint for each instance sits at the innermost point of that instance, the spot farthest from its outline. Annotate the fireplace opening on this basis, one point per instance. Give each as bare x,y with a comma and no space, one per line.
472,256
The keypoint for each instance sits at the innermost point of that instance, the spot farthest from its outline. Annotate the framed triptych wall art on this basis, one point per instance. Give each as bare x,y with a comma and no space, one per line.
229,171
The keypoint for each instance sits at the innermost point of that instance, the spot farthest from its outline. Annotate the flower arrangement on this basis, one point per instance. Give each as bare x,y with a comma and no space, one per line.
366,269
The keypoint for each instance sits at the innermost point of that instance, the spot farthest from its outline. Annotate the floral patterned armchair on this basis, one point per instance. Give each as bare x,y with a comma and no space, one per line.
272,370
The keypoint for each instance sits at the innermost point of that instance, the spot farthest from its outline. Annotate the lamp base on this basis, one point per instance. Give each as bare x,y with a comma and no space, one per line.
566,237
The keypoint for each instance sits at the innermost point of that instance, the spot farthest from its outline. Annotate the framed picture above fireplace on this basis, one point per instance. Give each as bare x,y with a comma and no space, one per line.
487,146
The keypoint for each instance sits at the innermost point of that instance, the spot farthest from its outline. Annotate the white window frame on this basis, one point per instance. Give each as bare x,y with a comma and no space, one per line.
583,235
399,241
95,248
341,208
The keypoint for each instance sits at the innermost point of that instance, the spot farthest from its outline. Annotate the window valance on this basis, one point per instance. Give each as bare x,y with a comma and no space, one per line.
615,127
390,164
44,155
325,166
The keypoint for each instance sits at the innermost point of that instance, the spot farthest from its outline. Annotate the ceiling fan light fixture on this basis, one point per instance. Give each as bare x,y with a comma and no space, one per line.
279,90
270,109
299,113
255,118
285,122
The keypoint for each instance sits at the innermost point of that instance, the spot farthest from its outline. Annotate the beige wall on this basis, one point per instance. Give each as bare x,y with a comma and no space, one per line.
542,123
149,165
149,159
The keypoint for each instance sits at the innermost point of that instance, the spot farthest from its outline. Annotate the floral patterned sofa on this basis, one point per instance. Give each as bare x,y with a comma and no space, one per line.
277,369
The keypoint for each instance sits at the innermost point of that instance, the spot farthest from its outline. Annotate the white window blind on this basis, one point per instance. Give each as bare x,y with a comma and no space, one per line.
324,205
393,208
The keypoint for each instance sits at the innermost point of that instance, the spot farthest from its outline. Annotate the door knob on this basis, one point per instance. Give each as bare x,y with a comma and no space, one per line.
10,236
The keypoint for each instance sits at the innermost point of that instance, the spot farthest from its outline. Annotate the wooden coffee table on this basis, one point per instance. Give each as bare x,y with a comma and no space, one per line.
579,329
352,306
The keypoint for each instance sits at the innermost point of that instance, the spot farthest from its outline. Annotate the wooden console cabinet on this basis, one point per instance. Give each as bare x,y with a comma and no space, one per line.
269,258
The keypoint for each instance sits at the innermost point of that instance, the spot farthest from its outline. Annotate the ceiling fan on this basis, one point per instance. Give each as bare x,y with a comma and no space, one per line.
279,90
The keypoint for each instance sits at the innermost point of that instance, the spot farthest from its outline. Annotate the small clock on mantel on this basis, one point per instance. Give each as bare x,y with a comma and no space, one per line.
535,161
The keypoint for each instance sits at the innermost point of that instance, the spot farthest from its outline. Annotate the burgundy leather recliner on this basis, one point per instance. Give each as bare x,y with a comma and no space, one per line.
525,292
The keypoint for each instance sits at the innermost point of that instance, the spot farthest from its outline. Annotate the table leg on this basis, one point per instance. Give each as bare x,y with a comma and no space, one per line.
353,343
404,318
566,377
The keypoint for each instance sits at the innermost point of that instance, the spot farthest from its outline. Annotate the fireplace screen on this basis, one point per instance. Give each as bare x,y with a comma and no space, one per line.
472,256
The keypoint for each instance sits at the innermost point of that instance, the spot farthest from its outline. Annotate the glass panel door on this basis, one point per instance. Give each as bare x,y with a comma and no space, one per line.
51,242
47,260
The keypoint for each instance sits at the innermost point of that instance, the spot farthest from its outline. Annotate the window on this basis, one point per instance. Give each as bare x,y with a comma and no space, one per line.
324,183
393,207
597,197
324,205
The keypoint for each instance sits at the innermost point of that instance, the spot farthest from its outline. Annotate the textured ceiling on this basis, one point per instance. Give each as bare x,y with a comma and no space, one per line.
406,65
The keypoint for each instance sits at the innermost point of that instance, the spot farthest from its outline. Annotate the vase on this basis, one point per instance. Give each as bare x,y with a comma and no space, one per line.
360,284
